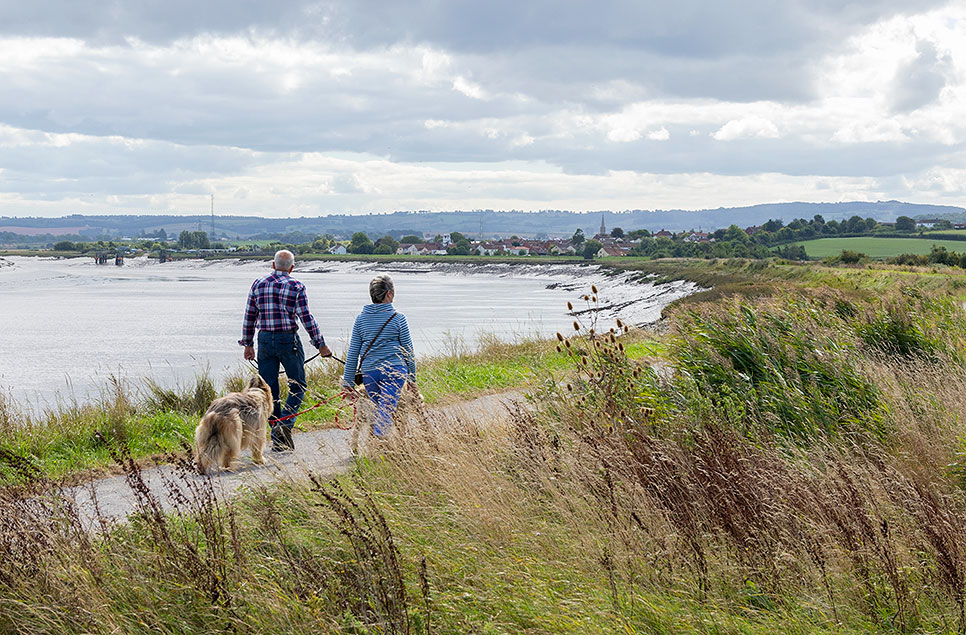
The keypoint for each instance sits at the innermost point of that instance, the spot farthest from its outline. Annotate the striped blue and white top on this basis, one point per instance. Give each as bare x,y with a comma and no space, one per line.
393,348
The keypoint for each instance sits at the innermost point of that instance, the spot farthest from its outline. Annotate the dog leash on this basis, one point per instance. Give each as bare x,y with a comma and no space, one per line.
324,402
281,371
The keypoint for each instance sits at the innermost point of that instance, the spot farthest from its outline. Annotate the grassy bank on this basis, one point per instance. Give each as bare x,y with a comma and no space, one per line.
801,470
147,421
758,278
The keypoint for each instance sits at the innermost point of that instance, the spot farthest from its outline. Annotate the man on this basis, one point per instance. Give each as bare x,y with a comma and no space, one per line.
273,304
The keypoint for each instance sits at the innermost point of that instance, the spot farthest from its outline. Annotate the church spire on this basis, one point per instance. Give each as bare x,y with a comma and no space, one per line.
603,230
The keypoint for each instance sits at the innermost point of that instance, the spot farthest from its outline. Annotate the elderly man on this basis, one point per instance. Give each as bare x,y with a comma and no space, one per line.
273,304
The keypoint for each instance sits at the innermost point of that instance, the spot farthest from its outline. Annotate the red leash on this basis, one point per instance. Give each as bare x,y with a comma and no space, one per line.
319,405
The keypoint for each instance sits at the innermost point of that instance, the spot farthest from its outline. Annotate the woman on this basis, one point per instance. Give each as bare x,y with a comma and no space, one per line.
381,340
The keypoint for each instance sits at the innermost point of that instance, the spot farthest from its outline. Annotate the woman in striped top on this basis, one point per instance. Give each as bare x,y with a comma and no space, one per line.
388,360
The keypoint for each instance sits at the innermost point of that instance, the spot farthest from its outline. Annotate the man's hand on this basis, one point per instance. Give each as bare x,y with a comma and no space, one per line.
249,353
325,351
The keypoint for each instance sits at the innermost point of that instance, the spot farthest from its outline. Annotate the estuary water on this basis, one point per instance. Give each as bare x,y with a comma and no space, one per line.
69,325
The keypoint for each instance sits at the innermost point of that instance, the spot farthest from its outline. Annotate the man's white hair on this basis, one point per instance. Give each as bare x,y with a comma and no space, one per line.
284,259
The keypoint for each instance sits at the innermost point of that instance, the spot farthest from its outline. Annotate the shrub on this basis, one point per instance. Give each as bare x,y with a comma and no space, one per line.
849,257
910,259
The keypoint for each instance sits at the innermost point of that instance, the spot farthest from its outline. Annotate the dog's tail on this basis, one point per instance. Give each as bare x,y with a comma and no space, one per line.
213,438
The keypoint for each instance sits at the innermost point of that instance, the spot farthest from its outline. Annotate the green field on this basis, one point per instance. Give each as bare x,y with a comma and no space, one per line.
877,247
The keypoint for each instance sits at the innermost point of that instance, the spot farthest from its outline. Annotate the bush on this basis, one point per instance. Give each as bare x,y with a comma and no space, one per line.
910,259
850,257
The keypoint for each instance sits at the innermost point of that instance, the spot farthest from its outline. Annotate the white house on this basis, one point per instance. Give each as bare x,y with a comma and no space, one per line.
489,248
338,249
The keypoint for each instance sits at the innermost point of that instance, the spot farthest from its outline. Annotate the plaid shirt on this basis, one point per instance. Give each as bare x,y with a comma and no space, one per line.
273,304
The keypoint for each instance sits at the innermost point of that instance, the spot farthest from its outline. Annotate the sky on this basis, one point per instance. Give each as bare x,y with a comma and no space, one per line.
303,108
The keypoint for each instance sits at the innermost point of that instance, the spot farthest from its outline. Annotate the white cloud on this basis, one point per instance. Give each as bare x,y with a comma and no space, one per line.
624,135
659,135
746,128
468,88
871,132
522,140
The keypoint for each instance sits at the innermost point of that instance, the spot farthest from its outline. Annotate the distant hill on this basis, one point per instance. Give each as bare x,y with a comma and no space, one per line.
488,222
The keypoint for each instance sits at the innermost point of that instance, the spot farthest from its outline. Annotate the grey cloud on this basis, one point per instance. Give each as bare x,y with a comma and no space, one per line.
687,28
345,184
743,51
920,82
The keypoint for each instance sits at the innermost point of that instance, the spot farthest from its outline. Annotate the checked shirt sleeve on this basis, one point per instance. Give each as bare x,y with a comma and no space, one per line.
303,313
251,317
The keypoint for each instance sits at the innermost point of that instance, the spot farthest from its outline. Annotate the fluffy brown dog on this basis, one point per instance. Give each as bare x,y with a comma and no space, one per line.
236,421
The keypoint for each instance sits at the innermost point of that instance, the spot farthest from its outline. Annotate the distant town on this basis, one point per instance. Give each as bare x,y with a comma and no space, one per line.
773,238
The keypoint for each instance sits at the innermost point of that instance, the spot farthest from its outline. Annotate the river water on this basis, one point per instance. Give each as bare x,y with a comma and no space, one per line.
68,325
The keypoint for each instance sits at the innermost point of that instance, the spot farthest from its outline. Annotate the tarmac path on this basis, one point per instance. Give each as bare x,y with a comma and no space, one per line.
323,452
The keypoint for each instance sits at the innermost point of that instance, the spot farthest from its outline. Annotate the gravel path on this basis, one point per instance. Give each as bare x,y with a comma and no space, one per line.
324,452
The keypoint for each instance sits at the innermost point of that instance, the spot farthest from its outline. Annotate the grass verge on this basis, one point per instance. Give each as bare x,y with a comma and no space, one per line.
150,421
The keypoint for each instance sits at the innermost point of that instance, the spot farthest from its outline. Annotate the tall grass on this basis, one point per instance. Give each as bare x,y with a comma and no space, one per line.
147,421
717,497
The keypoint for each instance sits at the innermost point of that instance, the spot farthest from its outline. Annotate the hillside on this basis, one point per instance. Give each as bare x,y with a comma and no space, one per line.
488,222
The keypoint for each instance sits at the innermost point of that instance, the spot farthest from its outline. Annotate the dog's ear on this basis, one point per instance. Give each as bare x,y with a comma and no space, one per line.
255,381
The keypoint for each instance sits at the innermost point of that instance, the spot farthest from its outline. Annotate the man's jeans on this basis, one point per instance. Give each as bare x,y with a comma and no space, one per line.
384,385
285,349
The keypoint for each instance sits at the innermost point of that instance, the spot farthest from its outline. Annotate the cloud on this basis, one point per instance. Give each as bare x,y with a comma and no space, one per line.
468,88
152,104
747,127
921,80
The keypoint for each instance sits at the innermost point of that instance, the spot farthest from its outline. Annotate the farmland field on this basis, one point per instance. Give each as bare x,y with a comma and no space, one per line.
877,247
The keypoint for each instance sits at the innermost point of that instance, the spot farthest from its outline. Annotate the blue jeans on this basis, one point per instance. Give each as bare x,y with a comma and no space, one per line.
285,349
384,385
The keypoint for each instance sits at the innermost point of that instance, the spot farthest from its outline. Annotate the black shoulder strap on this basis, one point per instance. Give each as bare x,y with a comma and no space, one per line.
378,333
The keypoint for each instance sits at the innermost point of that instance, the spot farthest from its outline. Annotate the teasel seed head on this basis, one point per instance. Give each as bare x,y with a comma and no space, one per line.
560,336
593,288
570,306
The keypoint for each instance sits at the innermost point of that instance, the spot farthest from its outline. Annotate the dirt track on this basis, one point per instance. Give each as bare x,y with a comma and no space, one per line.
324,452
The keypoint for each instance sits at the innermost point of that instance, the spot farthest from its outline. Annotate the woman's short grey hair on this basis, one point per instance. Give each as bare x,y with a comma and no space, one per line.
284,259
380,287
